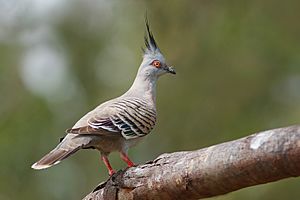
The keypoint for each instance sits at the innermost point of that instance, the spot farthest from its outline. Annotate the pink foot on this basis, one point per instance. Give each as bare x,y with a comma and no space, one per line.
125,158
107,164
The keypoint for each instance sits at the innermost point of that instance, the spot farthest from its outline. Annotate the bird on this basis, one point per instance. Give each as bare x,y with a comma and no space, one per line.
119,123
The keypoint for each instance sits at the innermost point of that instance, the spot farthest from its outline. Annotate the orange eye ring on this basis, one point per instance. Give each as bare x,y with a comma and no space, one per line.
156,63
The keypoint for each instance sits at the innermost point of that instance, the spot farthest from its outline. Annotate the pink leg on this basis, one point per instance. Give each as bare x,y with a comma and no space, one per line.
124,157
107,164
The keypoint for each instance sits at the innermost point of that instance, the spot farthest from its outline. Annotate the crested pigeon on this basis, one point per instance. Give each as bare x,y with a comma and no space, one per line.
119,123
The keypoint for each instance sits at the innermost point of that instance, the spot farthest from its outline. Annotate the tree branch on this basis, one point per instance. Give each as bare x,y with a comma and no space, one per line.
259,158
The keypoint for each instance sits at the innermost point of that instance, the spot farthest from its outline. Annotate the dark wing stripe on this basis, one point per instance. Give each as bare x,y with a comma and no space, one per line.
133,126
133,118
138,123
143,121
148,110
121,107
105,124
140,107
146,113
124,128
141,111
137,104
139,120
150,120
122,104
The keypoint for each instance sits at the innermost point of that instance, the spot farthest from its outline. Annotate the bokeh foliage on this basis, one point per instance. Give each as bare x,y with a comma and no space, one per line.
238,65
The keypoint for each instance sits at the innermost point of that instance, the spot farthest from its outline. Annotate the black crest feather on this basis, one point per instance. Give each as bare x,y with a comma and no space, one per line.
150,43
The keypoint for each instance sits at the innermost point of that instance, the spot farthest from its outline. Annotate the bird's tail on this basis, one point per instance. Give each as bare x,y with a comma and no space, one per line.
68,146
53,158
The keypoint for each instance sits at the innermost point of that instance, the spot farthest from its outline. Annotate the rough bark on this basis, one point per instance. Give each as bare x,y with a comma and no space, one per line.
256,159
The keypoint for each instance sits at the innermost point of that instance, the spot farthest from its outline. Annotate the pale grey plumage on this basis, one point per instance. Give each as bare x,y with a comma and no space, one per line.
120,123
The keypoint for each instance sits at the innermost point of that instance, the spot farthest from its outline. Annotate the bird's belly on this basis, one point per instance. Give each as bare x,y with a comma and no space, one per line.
109,144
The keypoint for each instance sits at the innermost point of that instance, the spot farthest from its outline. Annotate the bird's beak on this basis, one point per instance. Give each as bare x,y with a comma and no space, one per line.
170,69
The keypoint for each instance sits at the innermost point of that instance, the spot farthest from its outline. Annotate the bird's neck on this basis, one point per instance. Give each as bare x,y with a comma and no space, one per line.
144,86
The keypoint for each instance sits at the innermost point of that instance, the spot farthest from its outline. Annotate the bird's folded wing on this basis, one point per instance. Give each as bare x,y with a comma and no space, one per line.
95,127
130,119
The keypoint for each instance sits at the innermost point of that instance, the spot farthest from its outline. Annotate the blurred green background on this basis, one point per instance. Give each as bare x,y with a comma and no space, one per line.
238,72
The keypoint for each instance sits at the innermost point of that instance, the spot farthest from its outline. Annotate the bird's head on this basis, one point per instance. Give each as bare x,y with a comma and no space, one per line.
154,63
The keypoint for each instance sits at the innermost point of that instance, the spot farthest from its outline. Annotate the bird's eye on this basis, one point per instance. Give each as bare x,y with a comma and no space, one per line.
156,63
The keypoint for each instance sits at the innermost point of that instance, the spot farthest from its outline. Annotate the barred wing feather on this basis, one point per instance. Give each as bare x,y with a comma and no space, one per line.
132,118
